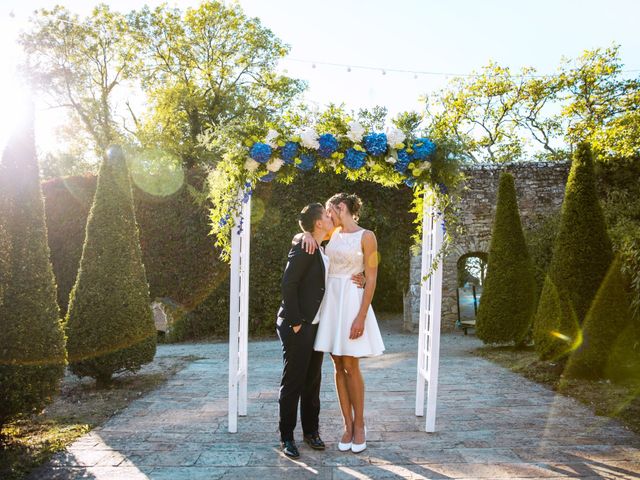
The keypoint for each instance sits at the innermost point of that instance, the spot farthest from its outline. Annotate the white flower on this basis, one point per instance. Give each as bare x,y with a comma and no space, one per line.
271,138
309,138
275,164
251,165
395,136
391,160
356,131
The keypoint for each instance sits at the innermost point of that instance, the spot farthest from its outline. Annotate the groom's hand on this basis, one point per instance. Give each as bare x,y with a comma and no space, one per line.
359,280
297,328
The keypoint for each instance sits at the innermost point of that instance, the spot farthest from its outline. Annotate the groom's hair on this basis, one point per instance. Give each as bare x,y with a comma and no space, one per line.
309,216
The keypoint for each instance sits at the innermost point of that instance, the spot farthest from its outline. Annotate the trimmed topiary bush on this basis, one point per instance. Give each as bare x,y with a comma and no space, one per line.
581,256
607,319
109,326
509,295
32,354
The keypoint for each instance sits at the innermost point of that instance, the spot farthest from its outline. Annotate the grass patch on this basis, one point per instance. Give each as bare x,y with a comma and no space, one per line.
615,400
29,442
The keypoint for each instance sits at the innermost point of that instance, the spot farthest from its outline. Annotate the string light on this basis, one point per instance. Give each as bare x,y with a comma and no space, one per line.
349,68
417,73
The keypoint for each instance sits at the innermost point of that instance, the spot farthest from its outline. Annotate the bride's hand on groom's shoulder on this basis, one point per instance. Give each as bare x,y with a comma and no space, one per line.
309,243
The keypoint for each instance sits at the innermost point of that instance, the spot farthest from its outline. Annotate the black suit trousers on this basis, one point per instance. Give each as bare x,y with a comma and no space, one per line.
301,378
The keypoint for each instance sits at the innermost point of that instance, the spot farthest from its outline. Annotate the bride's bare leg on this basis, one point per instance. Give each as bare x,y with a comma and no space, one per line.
355,386
343,398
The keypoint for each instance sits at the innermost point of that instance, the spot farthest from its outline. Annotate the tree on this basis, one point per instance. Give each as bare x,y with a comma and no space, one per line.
601,106
78,63
581,256
488,113
109,322
607,319
509,296
158,78
497,116
209,68
32,353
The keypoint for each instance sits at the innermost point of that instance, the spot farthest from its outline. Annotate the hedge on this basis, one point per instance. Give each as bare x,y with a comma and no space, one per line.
581,256
182,264
32,352
509,295
608,318
109,324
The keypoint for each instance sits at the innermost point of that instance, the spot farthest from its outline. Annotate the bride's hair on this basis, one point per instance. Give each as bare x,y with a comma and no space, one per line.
351,200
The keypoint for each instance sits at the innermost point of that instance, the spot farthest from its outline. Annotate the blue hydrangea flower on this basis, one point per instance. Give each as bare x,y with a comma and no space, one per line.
267,177
375,144
260,152
328,145
443,188
354,159
289,152
307,162
403,161
410,182
423,148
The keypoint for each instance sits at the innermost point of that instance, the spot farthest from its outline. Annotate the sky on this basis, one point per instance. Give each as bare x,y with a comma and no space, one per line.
440,36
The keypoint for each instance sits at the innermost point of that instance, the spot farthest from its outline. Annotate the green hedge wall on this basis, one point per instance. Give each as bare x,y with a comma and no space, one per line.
182,263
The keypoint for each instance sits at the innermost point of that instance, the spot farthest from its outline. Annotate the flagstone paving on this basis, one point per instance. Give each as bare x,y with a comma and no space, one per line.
491,424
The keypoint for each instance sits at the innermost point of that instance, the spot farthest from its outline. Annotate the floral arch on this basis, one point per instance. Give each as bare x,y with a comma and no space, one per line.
396,157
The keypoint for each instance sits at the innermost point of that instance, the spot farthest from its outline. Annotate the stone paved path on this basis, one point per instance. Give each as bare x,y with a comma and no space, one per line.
491,424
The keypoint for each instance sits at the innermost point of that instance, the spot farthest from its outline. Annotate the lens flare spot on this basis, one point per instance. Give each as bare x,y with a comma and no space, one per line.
561,336
374,259
156,172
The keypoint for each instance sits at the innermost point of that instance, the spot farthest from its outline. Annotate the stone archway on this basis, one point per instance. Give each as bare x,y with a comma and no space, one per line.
540,190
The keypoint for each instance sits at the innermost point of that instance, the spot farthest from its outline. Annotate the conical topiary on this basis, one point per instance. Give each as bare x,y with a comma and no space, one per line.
509,295
581,256
607,319
110,327
32,354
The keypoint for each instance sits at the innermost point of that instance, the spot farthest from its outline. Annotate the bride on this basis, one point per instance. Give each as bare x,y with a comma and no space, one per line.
348,328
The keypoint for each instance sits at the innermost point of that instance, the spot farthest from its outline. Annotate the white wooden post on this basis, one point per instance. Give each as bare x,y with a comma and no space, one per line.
239,313
430,312
243,371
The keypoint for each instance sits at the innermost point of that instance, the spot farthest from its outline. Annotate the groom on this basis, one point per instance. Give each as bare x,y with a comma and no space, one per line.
303,285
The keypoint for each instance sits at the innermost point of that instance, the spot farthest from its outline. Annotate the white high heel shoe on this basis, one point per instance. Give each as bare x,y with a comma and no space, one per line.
360,447
344,447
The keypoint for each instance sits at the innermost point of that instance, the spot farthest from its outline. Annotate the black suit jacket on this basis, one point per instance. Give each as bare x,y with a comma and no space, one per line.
302,286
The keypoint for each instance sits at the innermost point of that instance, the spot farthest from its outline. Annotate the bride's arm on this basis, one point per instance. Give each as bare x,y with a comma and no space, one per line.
370,251
308,242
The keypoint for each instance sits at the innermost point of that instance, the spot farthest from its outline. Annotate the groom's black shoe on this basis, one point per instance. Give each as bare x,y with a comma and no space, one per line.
314,441
289,448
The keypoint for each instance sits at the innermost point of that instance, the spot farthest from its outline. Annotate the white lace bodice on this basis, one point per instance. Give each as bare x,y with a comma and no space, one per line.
345,253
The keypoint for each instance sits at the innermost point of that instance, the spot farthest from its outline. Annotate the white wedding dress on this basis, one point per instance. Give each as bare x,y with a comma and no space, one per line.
342,301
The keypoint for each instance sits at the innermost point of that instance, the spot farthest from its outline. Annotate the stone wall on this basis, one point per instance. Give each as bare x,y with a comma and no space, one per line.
540,190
